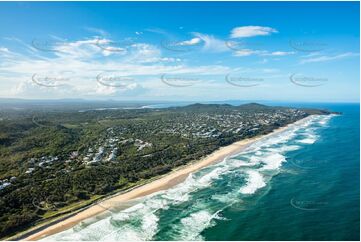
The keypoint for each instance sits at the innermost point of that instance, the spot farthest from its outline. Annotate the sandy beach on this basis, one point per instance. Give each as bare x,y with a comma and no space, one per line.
163,183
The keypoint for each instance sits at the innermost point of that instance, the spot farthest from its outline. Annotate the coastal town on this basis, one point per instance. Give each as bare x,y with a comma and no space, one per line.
117,139
180,120
75,157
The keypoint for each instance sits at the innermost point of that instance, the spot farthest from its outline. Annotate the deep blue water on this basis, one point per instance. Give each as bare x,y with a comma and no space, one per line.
301,184
315,197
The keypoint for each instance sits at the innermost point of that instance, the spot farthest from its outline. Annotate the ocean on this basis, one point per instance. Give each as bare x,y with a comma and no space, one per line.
300,184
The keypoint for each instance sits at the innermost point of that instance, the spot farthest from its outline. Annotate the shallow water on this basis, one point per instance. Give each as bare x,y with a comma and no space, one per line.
300,184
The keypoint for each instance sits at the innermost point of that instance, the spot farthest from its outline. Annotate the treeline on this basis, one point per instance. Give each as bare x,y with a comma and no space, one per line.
50,188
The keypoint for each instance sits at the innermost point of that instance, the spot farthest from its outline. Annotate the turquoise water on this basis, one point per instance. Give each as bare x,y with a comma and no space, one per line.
301,184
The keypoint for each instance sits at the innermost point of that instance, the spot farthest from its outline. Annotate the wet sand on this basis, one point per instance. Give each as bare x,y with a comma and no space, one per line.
165,182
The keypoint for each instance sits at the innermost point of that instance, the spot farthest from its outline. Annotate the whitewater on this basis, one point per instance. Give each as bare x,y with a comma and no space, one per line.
186,210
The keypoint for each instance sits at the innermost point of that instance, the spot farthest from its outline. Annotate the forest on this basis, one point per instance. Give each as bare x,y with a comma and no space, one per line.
54,162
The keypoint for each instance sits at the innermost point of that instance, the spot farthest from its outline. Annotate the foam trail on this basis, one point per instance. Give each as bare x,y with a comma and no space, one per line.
204,194
254,182
194,224
273,161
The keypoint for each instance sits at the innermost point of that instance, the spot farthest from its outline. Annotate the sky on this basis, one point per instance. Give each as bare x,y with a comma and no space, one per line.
180,51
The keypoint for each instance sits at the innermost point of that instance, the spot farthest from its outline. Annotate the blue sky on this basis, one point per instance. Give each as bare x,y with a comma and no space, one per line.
192,51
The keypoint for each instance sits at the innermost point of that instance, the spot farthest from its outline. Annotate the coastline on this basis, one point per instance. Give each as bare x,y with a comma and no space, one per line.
162,183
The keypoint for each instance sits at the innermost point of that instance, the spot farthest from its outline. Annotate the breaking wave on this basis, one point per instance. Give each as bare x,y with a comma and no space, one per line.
185,211
254,182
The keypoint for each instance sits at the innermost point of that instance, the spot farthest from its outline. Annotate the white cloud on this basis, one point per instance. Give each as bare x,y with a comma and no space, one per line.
190,42
324,58
5,50
248,52
29,89
82,61
250,31
270,70
79,49
130,89
280,53
211,43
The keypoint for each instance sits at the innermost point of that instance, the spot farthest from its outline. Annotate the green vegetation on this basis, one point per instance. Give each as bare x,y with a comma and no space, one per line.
53,162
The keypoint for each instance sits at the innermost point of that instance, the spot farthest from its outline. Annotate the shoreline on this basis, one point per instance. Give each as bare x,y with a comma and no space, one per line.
162,183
